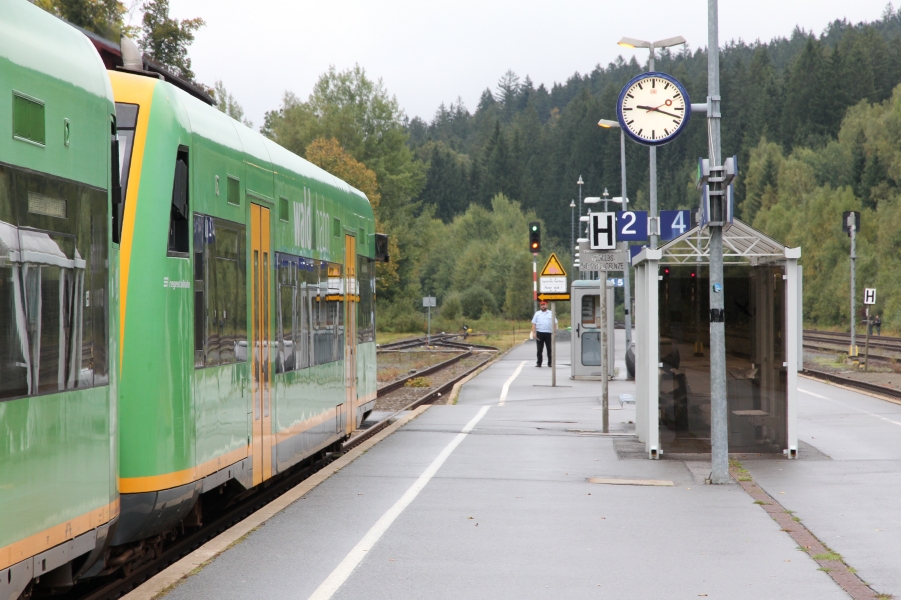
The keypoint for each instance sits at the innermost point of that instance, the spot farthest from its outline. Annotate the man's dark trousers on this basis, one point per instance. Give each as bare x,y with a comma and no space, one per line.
543,339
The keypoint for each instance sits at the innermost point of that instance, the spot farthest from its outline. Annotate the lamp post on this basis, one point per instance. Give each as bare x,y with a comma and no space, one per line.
628,42
625,200
580,183
572,221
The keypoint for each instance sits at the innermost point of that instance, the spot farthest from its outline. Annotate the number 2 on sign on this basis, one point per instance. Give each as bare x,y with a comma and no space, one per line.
629,224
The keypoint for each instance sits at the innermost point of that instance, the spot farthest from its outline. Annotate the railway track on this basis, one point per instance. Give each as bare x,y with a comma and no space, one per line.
870,388
427,398
245,504
886,347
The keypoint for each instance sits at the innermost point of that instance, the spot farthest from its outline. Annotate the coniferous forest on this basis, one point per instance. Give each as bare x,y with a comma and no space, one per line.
814,118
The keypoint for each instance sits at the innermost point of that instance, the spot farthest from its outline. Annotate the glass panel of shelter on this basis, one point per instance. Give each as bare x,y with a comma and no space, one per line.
756,377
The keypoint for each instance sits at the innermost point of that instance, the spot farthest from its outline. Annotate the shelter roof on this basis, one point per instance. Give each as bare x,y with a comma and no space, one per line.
742,245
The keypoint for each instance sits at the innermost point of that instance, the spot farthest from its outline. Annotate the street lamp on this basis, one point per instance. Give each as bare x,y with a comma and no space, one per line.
580,183
628,42
572,222
627,297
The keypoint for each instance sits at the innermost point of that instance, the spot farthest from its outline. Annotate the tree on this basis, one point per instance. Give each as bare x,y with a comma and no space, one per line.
227,103
330,156
369,125
103,17
166,40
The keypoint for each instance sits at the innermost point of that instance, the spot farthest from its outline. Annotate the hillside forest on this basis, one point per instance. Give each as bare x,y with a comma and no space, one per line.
815,120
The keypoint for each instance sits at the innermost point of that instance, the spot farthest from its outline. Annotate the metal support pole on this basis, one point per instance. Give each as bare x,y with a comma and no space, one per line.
572,229
535,282
553,344
429,335
719,410
852,223
652,207
627,291
866,350
605,390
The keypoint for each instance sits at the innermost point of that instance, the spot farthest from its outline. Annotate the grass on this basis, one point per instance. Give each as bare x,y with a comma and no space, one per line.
829,555
418,382
743,473
761,502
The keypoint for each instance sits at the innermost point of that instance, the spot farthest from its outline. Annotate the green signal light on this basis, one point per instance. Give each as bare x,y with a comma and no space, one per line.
534,228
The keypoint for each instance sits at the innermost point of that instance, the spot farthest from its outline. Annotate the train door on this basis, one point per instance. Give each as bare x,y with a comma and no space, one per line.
260,260
350,331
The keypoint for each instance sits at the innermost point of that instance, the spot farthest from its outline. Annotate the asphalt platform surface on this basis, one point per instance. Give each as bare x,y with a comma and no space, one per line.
507,511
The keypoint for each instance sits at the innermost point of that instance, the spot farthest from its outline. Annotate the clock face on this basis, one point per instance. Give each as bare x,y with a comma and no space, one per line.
653,108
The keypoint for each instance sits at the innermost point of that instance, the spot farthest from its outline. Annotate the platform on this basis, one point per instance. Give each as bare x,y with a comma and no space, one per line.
510,513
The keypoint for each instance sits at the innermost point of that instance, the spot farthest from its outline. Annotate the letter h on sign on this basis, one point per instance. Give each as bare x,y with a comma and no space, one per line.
602,232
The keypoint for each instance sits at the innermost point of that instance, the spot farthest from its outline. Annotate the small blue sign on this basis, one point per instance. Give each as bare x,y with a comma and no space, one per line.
631,225
616,281
674,223
634,250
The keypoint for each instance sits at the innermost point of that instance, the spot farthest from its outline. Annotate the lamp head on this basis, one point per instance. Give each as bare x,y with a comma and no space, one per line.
628,42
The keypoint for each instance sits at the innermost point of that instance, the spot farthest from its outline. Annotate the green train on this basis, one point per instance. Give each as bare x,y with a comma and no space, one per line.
187,309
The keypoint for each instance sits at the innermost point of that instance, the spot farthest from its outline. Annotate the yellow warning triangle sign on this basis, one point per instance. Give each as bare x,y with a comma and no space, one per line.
552,267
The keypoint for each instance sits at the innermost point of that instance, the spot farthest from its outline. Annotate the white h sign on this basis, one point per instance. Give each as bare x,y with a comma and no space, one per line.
602,231
869,295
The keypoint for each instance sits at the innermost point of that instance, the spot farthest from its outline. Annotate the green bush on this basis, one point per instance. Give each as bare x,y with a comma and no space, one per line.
451,308
399,318
477,301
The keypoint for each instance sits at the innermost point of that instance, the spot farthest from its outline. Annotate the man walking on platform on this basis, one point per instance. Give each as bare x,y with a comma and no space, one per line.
541,331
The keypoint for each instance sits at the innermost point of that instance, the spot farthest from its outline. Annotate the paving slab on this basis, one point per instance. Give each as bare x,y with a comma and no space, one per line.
849,496
510,513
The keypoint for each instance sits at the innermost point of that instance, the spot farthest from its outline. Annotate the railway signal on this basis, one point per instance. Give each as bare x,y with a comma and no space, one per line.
534,237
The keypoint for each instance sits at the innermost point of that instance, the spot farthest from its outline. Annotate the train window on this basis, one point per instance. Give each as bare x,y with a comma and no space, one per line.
336,227
53,284
283,209
28,119
220,292
179,225
126,123
199,291
366,304
286,315
233,193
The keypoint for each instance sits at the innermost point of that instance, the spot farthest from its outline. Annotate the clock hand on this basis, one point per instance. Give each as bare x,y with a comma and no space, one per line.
657,109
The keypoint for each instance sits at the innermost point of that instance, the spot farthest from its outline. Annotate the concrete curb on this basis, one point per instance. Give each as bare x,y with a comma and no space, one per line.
163,582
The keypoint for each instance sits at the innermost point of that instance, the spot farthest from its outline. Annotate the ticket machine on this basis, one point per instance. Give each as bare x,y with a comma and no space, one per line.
586,329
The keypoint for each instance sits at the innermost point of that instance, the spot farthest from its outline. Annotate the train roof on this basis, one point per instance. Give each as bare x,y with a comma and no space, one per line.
54,70
205,120
33,39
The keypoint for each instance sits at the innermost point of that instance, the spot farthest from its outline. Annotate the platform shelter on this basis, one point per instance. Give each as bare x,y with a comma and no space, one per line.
762,287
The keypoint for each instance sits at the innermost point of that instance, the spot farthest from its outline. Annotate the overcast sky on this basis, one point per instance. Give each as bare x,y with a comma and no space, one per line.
432,52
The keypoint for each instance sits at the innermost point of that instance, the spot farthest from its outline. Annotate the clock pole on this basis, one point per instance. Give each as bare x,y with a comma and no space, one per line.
652,200
719,426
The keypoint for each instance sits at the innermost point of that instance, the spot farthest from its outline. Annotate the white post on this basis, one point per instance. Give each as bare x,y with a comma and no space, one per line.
553,356
793,315
653,353
641,383
605,387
